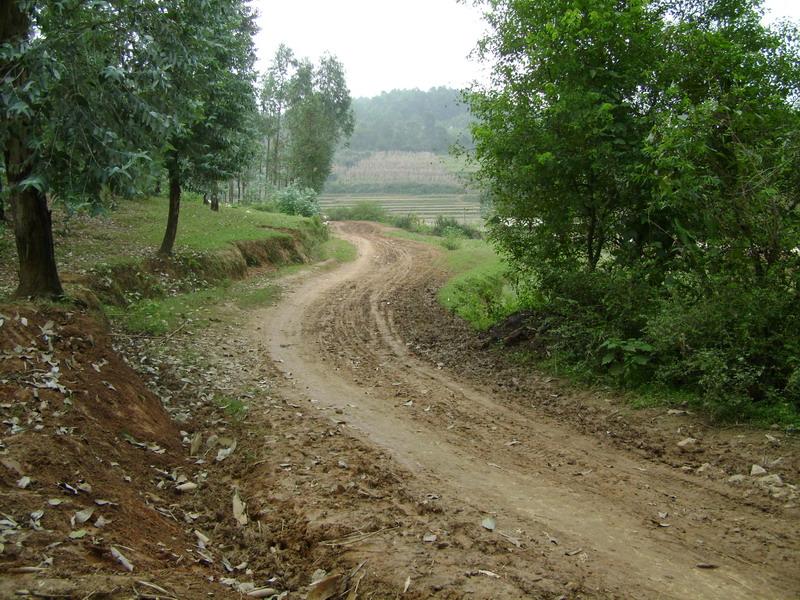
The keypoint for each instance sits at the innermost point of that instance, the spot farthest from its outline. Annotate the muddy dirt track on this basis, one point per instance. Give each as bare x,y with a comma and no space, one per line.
618,522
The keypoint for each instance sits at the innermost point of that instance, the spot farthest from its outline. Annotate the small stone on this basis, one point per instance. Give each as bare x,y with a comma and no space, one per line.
771,480
704,468
756,470
687,444
736,479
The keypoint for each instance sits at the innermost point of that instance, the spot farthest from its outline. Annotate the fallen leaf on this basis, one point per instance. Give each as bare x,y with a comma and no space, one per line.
83,515
407,584
239,510
325,588
76,535
24,482
126,564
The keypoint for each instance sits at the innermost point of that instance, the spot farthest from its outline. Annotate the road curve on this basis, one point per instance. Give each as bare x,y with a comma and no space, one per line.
335,336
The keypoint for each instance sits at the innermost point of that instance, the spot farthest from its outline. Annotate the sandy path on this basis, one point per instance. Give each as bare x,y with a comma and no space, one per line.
335,337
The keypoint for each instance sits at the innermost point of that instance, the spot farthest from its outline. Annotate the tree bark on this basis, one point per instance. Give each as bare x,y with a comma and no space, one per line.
33,230
174,173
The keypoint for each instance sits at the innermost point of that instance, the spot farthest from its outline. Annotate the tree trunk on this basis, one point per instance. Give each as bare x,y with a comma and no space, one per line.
230,191
171,233
33,230
2,204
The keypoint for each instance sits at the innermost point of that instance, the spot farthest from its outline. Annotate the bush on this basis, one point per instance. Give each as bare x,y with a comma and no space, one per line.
445,225
293,200
451,240
362,211
732,343
411,222
734,346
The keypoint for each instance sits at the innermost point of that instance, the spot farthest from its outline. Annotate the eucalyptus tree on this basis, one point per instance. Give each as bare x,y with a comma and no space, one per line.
319,118
275,96
72,120
212,97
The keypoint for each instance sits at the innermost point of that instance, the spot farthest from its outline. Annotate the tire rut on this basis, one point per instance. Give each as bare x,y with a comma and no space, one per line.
627,525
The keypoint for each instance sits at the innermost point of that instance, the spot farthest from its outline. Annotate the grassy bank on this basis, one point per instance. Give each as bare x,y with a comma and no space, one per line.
109,260
478,290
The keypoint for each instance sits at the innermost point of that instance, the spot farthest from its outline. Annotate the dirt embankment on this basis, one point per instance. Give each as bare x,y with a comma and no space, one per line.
154,277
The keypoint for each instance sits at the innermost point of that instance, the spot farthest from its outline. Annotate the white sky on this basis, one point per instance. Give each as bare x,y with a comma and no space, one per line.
391,44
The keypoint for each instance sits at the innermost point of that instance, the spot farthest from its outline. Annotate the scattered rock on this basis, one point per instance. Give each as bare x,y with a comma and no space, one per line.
771,480
756,470
687,445
736,479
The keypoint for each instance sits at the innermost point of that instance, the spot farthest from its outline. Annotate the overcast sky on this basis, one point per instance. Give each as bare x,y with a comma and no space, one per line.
390,44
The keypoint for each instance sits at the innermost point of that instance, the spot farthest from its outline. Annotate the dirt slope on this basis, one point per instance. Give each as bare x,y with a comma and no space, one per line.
585,504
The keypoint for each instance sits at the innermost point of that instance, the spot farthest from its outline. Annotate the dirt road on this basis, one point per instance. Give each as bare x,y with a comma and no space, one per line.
614,522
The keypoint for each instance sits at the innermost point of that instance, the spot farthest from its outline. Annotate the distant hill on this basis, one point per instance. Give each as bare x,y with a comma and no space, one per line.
410,121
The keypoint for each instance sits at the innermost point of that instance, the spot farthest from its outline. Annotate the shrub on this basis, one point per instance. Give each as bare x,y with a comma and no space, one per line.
362,211
294,200
443,225
411,222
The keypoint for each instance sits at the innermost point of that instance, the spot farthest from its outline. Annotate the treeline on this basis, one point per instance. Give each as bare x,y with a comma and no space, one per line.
110,99
411,121
643,159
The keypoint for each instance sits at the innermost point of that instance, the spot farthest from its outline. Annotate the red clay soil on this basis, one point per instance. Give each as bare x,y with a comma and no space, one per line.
84,448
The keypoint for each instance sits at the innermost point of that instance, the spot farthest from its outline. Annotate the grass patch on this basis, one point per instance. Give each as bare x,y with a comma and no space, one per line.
478,290
161,316
143,221
235,407
337,249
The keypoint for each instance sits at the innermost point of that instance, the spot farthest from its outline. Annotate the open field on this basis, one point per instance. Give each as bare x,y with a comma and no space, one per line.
396,173
465,208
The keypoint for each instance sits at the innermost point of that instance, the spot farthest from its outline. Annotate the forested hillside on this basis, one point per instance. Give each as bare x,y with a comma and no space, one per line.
411,121
401,143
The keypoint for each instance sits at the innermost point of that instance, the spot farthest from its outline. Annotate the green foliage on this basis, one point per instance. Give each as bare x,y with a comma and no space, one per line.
451,240
410,222
361,211
294,200
305,114
447,226
641,161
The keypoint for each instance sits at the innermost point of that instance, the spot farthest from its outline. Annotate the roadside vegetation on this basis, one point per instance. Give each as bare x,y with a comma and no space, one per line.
651,221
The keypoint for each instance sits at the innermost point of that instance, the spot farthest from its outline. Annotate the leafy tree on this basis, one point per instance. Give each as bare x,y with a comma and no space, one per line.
562,127
274,102
67,106
306,112
213,99
642,161
318,119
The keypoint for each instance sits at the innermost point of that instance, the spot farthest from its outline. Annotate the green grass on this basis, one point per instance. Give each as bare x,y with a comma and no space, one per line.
199,228
478,289
338,250
161,316
235,407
